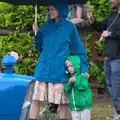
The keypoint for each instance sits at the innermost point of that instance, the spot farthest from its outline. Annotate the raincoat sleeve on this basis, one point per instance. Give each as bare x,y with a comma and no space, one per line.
38,41
68,87
81,83
78,49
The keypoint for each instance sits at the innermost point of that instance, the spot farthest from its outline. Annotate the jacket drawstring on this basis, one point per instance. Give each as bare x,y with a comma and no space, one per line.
73,98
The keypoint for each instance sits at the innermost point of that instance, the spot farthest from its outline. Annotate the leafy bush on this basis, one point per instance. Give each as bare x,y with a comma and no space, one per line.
20,19
23,45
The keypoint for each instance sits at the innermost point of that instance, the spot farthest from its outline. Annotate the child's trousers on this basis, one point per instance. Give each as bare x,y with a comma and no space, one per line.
81,115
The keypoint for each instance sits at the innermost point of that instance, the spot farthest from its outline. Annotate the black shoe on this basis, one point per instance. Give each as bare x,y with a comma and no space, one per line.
53,107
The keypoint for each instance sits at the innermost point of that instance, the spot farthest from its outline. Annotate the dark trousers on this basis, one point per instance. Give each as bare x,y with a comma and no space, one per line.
112,74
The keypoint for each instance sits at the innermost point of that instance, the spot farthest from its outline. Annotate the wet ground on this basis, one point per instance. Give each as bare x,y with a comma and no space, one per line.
101,99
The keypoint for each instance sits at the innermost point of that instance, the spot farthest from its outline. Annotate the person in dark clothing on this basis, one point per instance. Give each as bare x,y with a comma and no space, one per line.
110,29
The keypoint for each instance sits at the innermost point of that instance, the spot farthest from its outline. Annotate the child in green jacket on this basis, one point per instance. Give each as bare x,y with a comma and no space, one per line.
79,90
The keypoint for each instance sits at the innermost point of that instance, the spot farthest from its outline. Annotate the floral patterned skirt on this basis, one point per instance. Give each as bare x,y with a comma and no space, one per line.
53,93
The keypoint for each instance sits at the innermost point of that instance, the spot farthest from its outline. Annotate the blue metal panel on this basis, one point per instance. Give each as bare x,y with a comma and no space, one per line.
12,93
9,117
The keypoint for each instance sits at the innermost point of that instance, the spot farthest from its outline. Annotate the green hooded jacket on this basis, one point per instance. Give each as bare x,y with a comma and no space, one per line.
79,91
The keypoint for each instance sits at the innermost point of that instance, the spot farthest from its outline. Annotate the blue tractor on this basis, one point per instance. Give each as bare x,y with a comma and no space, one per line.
15,92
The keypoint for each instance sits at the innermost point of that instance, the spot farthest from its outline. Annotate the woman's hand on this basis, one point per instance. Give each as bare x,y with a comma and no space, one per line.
77,20
35,27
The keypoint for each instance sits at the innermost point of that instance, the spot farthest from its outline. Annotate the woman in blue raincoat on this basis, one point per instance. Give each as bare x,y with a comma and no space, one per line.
56,40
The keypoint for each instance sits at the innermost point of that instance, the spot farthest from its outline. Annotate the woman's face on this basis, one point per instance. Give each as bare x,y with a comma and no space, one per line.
53,12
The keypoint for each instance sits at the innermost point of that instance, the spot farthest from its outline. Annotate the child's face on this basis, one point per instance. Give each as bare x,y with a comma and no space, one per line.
71,70
69,66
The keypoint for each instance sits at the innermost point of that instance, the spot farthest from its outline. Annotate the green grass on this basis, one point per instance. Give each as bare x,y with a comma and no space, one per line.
98,112
101,108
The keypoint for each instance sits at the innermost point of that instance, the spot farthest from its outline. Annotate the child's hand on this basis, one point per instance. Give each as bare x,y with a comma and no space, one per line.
86,75
72,79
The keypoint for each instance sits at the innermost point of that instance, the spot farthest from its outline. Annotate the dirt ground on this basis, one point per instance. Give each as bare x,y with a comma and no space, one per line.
99,99
102,107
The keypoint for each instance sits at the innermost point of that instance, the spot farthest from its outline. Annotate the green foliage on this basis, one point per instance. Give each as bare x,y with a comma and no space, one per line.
23,17
20,19
101,8
96,70
23,45
5,15
89,45
100,44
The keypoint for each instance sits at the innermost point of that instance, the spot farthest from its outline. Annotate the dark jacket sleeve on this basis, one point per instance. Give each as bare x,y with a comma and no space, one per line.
104,25
78,49
99,26
85,26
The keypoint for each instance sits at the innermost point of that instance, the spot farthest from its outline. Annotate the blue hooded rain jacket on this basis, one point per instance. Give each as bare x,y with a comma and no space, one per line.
56,41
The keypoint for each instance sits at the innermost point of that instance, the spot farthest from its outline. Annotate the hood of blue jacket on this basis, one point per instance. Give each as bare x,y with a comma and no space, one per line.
62,10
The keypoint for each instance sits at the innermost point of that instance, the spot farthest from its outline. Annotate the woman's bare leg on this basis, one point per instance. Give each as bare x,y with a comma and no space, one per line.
35,109
63,111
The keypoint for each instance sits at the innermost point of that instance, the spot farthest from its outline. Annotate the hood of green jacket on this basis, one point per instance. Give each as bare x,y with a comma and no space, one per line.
75,60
